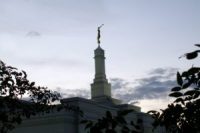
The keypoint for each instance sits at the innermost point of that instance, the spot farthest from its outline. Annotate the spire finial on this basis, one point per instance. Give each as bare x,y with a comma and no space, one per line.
99,34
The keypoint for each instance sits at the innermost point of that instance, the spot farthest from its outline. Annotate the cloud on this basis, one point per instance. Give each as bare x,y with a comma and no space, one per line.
144,92
118,83
156,85
33,34
166,72
153,88
67,93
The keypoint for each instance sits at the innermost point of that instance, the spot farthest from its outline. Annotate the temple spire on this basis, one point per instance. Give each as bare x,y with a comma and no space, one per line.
100,87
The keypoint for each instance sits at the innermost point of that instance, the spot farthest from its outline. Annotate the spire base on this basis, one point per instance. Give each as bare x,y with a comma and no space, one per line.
100,89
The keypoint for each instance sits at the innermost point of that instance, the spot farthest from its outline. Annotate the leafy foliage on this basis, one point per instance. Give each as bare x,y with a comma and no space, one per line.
113,123
183,114
13,86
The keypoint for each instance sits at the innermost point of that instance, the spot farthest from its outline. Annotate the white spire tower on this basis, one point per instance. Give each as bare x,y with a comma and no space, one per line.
100,87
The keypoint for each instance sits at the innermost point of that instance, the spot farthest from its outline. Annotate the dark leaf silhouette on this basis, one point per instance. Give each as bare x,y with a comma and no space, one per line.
183,115
190,92
176,88
193,70
112,123
13,85
186,85
198,45
108,115
179,79
191,55
176,94
179,100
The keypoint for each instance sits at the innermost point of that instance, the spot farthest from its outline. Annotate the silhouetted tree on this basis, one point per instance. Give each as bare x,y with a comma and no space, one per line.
13,86
113,124
183,115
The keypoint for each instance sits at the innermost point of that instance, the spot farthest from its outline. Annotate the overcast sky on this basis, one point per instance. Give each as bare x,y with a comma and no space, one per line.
53,41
